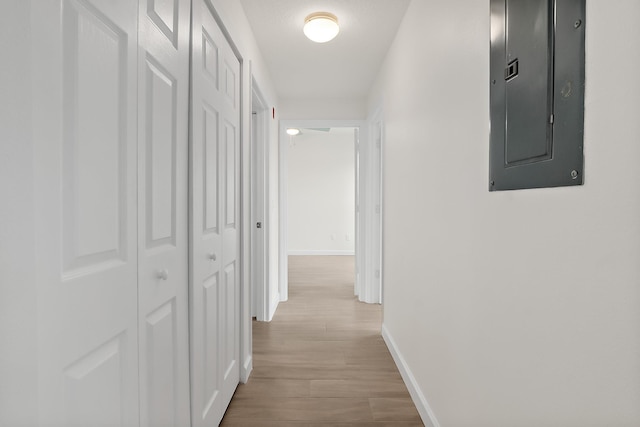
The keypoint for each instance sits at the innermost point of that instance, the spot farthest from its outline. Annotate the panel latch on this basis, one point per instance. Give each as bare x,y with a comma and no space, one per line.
512,70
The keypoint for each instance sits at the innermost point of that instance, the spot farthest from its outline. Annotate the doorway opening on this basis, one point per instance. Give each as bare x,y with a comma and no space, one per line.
311,237
321,196
321,181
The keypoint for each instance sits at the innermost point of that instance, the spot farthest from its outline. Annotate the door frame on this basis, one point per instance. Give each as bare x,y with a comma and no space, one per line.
376,207
365,209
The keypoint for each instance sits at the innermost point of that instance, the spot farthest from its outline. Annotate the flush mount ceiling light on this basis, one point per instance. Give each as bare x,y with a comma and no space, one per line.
321,27
293,131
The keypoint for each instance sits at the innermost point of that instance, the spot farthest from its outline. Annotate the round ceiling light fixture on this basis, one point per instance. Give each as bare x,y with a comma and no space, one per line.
321,27
293,131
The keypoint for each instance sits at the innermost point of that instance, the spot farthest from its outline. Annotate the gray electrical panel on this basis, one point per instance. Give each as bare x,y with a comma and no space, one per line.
537,93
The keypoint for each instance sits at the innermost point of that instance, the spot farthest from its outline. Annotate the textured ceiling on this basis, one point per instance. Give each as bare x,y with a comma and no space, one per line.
342,68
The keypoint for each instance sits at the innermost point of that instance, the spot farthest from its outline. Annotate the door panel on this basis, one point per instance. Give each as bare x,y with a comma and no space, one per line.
215,168
228,319
163,70
160,151
163,373
209,336
94,66
98,373
168,17
230,191
210,162
84,129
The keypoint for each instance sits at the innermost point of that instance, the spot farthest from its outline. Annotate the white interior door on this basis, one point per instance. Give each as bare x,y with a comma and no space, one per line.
163,132
84,128
257,237
259,214
215,219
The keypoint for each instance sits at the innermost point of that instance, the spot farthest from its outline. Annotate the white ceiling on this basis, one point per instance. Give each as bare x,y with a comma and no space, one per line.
342,68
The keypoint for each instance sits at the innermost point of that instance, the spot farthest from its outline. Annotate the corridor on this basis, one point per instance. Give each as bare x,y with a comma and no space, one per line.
322,361
141,199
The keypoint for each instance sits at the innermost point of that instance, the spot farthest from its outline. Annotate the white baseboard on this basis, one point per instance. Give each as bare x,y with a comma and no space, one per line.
322,252
247,367
427,415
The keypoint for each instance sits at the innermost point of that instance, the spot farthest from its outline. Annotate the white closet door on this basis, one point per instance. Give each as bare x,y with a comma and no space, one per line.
84,127
215,219
163,132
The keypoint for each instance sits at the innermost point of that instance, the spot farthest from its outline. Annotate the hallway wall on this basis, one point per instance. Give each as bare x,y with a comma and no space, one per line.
517,308
323,109
321,192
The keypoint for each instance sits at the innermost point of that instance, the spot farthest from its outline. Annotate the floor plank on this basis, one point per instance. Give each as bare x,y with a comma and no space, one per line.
322,360
301,409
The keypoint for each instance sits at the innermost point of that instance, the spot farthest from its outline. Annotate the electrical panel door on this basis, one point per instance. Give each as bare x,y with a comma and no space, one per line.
537,93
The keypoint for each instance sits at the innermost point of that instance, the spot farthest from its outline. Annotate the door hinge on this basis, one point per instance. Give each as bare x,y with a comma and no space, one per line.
258,225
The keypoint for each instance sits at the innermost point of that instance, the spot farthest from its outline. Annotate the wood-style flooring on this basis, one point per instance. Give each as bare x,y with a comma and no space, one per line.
322,361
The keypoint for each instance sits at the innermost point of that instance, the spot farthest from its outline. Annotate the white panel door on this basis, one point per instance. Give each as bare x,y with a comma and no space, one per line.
163,132
261,295
214,219
84,127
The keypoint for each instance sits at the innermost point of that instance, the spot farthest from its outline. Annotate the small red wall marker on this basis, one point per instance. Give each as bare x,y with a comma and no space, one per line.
273,113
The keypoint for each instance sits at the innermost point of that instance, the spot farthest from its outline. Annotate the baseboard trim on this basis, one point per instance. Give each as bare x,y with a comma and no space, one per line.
427,415
322,252
246,370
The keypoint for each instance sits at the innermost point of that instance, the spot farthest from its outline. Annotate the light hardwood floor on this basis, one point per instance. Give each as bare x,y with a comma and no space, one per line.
322,361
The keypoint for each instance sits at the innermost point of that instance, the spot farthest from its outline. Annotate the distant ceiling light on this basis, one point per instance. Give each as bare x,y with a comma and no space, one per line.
321,27
293,131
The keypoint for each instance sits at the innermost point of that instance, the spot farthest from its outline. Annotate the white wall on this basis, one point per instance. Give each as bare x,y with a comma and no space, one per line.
517,308
323,109
321,192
